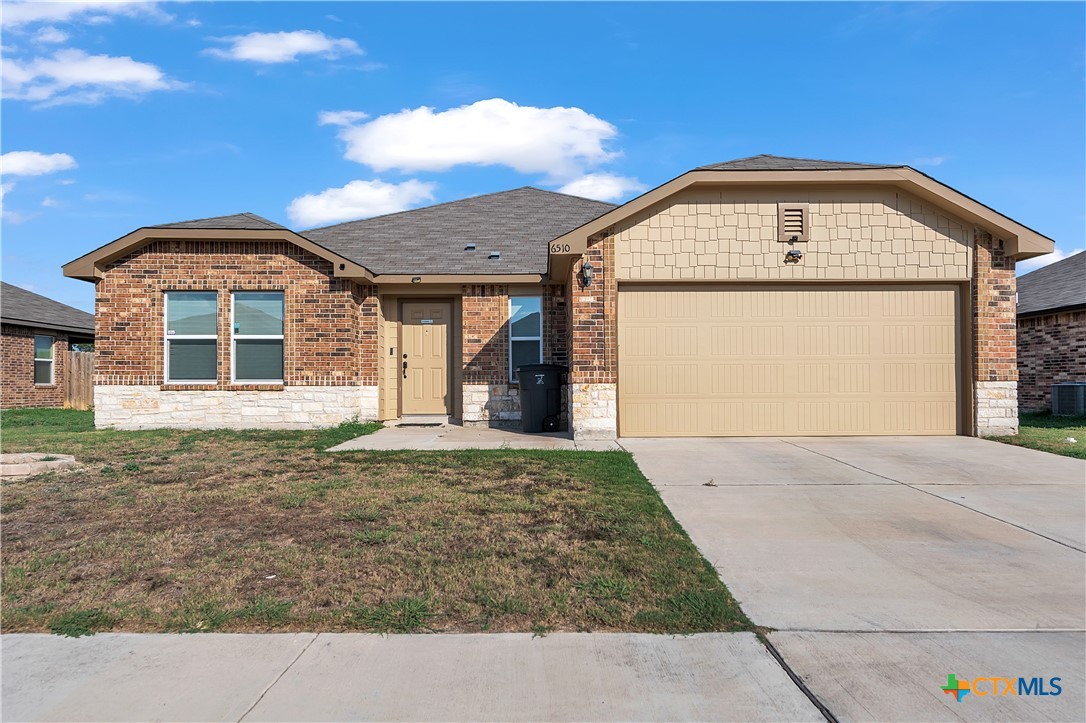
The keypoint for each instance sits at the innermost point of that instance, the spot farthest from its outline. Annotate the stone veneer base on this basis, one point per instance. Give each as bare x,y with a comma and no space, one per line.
996,408
150,407
491,405
593,411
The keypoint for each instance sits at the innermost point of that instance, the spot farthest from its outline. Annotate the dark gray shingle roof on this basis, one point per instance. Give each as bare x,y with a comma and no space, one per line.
1055,286
25,308
238,221
781,163
518,224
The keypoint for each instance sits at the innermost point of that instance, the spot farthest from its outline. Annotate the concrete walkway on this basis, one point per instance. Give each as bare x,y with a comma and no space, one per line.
885,564
452,436
330,677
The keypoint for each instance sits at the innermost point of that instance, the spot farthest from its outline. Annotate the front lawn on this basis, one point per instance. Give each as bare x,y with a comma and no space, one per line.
1049,434
261,531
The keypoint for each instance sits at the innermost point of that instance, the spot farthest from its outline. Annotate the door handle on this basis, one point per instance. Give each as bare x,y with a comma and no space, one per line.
405,369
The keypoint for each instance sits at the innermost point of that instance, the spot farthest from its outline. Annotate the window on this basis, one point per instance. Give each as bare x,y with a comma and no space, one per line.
525,332
192,339
258,336
43,359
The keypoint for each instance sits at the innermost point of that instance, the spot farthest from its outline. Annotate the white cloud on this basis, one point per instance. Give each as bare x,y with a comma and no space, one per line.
50,36
1024,267
283,47
603,186
92,11
561,142
358,199
929,161
72,76
50,202
5,214
340,117
66,181
32,163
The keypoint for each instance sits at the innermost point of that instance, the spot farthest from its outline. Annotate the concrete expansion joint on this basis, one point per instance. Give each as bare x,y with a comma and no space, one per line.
280,676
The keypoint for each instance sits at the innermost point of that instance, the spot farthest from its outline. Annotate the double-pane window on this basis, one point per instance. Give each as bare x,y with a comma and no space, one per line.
258,336
525,332
192,340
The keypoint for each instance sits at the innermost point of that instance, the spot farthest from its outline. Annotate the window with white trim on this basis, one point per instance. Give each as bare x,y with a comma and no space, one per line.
257,323
525,332
192,337
43,358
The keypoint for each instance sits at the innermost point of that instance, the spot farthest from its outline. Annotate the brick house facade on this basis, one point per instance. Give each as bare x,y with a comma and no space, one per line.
350,348
27,315
1051,330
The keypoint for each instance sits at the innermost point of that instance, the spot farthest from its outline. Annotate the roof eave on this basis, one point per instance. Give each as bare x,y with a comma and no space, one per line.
1023,242
91,266
1053,310
48,326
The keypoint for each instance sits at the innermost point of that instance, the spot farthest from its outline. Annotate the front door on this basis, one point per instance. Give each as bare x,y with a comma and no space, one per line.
424,367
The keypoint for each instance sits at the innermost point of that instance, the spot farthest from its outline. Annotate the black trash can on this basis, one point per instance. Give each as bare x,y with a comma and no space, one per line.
540,396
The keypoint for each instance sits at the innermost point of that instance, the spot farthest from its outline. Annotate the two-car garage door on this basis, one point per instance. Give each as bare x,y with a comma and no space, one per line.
788,360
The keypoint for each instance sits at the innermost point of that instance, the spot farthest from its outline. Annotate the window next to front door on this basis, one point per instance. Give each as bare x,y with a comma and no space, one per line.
525,332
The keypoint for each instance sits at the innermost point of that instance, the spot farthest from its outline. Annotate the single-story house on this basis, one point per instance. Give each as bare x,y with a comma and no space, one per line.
1051,330
34,334
762,296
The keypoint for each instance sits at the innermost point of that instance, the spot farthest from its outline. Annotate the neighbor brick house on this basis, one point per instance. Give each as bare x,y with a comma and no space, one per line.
764,296
1051,330
34,334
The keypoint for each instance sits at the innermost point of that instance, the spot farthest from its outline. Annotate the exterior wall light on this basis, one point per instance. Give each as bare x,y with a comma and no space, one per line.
587,269
416,279
793,256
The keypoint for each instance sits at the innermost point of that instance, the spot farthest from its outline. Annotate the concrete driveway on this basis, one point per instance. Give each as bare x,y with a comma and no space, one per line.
914,557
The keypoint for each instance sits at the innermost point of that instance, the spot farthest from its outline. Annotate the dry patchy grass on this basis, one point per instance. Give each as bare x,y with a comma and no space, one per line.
261,531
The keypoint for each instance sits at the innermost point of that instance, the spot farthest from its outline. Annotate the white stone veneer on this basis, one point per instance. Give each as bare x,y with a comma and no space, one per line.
996,408
488,405
150,407
593,411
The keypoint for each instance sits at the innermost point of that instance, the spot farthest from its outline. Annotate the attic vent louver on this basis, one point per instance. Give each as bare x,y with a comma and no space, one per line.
469,247
793,221
495,255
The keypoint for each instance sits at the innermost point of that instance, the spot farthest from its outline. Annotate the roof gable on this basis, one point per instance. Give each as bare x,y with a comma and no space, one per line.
25,308
517,225
240,221
766,162
1055,286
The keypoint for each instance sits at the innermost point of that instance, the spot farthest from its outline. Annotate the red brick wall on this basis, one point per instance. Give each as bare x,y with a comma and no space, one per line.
593,323
17,388
555,325
1051,349
330,329
485,316
994,316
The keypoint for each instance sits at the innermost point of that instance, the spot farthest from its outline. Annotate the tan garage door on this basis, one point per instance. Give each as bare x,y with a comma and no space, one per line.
787,360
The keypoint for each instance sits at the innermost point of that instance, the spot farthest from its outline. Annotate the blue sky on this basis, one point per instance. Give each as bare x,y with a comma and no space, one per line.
128,115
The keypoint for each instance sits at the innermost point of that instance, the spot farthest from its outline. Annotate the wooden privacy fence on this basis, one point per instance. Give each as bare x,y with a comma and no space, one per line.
79,380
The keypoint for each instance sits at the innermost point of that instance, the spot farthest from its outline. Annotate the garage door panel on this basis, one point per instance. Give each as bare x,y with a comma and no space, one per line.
788,360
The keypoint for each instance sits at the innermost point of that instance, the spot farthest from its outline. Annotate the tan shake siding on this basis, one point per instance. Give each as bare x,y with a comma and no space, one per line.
330,324
17,387
873,234
1051,349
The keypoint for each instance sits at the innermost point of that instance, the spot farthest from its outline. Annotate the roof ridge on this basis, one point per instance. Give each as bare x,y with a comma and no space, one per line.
260,219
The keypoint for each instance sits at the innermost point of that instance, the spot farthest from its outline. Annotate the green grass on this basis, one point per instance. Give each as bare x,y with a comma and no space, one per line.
180,530
1048,434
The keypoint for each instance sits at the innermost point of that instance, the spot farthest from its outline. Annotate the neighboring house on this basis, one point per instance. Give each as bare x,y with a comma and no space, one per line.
1051,330
764,296
34,334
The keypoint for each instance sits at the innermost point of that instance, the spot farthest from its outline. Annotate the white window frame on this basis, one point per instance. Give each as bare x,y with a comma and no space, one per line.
167,337
235,336
52,361
512,379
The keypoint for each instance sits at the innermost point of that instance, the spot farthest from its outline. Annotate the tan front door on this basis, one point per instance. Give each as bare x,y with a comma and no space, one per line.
788,360
424,361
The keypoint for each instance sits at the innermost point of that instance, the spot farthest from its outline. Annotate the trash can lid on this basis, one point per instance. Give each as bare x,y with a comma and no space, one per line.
541,368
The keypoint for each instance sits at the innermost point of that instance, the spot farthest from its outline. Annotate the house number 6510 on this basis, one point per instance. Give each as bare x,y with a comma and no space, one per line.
560,248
